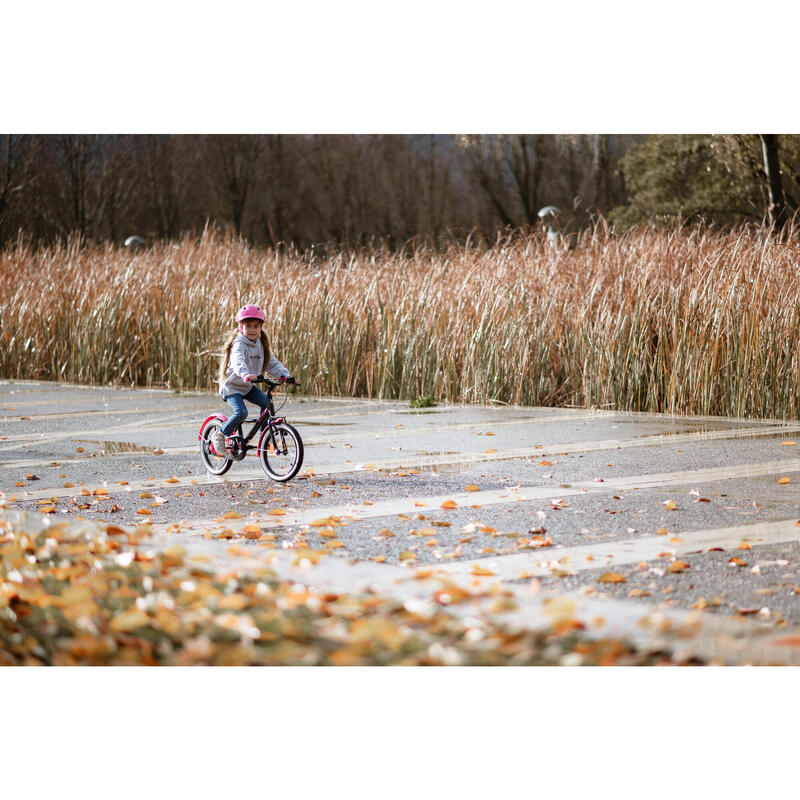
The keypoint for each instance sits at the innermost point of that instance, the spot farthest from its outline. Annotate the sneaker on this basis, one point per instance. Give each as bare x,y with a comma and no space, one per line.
218,442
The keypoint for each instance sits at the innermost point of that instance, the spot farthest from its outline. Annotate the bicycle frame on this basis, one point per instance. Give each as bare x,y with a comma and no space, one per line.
264,423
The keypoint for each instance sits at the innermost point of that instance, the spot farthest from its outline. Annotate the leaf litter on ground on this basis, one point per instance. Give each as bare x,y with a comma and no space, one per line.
85,593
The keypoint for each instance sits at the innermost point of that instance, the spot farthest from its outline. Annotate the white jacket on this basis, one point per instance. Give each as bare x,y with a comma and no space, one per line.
247,358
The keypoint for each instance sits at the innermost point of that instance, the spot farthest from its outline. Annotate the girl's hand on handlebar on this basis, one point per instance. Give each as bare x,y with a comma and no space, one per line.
289,379
249,378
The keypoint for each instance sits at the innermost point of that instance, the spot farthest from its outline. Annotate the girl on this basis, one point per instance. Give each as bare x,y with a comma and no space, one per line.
245,354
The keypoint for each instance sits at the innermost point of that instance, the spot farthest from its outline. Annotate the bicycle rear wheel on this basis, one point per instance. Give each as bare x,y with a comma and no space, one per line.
281,452
216,465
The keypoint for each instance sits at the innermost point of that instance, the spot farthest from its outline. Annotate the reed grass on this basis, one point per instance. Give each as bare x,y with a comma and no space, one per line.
685,321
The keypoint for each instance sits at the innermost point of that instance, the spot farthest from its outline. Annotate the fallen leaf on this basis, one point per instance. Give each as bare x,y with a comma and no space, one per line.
662,531
483,571
790,443
670,505
737,562
489,451
788,641
745,546
448,504
678,566
144,511
472,488
611,577
545,463
276,512
129,620
782,481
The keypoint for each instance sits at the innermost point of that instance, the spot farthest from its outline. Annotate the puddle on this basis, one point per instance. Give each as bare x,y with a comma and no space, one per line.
426,411
676,432
118,447
319,424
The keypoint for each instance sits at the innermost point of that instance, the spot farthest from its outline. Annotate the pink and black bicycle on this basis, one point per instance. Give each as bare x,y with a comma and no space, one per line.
279,448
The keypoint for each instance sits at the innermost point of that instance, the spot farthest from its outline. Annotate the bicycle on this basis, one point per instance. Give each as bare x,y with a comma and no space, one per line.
280,448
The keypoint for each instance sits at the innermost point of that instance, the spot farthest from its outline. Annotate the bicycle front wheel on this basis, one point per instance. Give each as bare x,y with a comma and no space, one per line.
281,452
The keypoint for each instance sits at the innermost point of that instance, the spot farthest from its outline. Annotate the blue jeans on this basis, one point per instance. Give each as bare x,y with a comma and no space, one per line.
236,402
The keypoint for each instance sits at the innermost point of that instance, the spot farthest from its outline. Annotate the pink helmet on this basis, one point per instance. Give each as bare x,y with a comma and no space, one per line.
250,312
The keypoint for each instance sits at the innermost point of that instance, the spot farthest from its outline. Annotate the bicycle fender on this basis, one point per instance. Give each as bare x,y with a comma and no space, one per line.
221,417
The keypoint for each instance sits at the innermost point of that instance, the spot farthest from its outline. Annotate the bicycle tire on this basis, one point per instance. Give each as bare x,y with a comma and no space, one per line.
214,464
281,460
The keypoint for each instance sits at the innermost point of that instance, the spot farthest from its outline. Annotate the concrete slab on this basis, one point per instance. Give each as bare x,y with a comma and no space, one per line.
548,489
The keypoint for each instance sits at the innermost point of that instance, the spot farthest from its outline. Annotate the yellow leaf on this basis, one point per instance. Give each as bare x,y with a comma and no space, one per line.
334,543
145,495
144,511
386,532
670,505
172,480
677,566
739,562
78,449
406,555
489,451
472,488
783,480
611,577
129,620
449,504
545,463
790,443
327,533
276,512
320,523
489,433
662,531
745,546
69,485
230,515
478,570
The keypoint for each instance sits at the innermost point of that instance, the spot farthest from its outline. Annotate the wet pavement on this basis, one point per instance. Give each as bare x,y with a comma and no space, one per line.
488,495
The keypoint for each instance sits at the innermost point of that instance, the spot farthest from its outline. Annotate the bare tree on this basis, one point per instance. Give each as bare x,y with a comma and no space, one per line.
235,165
12,164
777,205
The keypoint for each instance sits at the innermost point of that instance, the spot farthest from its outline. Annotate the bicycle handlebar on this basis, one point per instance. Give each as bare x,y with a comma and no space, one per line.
272,384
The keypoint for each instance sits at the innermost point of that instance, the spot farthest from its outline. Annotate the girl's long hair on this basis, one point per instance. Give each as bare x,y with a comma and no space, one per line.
226,353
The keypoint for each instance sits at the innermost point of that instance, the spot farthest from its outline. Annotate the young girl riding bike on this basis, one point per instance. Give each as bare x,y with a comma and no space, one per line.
246,353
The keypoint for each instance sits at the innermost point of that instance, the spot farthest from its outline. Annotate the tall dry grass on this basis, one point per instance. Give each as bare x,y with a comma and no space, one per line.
686,321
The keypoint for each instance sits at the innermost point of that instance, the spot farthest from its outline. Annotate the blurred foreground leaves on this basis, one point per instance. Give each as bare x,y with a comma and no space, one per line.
96,594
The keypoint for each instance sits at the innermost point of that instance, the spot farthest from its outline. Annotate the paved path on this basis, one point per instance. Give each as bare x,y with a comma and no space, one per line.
564,511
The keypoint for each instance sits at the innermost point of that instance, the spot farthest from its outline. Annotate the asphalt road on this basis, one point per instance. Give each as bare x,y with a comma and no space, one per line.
589,508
